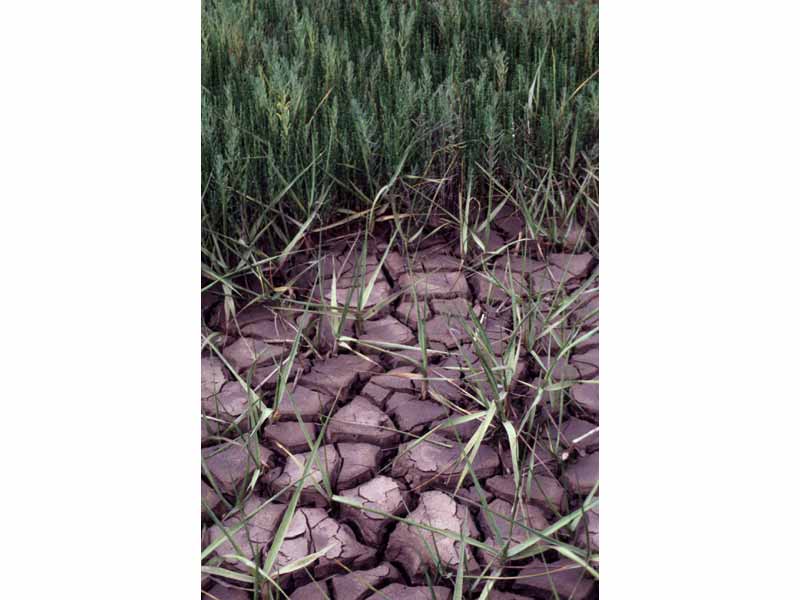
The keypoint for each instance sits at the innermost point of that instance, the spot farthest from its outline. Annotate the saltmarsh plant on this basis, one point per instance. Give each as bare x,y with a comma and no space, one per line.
312,109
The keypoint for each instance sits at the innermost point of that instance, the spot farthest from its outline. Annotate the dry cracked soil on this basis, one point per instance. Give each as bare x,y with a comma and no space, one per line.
382,490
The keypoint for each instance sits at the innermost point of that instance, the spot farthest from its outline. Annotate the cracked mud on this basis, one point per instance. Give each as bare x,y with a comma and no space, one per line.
380,505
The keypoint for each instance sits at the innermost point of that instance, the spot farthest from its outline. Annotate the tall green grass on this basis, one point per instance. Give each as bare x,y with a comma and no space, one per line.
314,108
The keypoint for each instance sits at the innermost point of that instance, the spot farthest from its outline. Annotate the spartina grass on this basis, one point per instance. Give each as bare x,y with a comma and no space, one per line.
310,109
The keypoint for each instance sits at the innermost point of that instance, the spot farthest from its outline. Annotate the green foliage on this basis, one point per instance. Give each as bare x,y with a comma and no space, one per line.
345,93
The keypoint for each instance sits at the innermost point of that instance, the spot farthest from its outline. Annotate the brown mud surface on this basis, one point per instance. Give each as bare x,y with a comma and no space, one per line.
366,397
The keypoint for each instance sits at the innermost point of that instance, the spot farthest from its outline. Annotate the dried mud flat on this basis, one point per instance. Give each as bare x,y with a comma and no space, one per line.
366,397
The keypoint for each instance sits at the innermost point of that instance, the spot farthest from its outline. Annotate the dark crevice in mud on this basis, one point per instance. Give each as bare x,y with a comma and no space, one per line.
550,556
355,389
328,586
406,579
389,280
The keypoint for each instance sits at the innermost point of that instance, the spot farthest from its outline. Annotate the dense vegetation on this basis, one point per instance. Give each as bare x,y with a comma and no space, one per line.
314,110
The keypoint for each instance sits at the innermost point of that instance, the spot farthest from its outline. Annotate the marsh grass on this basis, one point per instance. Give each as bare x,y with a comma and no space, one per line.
314,111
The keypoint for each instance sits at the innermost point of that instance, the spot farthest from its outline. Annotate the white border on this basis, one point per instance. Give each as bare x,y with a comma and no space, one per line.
699,134
100,237
100,126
